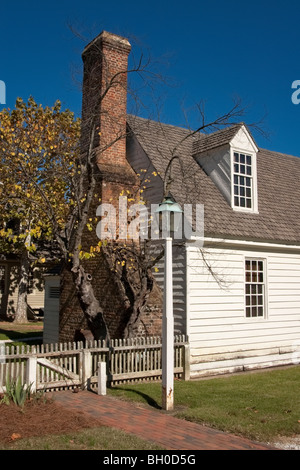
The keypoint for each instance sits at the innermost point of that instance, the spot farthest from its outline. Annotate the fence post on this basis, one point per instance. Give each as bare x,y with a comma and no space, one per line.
101,378
187,362
86,368
31,367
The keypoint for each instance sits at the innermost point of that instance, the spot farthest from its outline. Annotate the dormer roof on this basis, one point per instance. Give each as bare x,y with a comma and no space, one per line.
207,142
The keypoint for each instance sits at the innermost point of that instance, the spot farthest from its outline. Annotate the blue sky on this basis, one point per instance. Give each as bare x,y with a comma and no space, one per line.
212,51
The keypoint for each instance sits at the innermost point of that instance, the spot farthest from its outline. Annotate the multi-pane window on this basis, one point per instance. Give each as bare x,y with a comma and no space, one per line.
242,180
255,288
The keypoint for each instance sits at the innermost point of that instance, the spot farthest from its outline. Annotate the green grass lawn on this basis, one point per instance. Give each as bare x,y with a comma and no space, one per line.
102,438
260,405
9,331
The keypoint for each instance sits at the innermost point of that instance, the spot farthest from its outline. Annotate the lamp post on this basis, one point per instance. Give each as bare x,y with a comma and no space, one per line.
168,212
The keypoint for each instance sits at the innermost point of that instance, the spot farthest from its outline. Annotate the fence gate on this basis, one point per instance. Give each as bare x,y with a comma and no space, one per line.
55,370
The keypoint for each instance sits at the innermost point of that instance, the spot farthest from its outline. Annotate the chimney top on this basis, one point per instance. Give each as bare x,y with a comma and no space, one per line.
109,39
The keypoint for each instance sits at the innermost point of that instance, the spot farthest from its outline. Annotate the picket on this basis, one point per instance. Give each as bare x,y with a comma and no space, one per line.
67,365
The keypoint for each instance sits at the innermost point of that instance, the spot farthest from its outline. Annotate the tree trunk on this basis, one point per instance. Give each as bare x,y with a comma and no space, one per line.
89,303
21,311
139,295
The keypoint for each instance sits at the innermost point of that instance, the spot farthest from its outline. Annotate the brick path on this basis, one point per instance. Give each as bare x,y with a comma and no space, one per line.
153,425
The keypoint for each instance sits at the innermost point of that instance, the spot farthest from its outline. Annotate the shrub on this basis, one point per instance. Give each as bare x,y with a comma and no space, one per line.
16,392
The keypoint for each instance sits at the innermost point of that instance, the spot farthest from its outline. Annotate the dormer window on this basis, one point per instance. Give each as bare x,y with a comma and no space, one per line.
229,157
242,180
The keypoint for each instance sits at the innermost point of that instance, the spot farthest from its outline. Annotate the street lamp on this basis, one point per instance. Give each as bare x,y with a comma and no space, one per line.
168,212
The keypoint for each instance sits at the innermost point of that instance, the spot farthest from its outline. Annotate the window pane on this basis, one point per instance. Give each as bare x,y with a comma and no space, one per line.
254,288
242,177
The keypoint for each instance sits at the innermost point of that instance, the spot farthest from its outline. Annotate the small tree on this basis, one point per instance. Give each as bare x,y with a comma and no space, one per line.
38,151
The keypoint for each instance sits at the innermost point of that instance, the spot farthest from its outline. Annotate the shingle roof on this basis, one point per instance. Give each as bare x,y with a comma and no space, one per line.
221,137
278,185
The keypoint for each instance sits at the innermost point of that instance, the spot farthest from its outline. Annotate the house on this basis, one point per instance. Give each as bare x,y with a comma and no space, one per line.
237,297
237,285
9,277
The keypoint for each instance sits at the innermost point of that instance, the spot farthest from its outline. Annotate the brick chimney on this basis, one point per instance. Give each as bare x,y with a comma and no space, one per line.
105,98
104,103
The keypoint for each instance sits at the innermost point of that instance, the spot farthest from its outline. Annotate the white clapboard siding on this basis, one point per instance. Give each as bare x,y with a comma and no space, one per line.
36,299
179,284
9,292
221,338
10,297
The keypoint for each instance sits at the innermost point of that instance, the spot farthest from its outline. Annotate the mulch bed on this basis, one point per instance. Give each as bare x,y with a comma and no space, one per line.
39,419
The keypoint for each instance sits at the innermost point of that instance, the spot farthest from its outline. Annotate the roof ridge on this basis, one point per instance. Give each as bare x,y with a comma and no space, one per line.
200,133
219,131
159,122
212,134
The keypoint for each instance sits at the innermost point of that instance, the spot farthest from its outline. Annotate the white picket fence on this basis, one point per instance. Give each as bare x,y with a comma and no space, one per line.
69,365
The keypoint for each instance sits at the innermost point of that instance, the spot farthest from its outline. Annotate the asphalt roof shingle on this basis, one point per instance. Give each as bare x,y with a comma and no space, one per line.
221,137
278,184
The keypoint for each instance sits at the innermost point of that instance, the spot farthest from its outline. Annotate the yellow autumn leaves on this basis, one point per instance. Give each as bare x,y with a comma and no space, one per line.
38,149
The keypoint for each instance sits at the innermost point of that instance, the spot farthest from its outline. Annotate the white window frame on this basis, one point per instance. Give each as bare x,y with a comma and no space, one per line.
250,292
253,177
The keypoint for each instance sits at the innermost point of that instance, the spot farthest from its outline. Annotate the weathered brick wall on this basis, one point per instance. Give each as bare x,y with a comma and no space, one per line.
105,63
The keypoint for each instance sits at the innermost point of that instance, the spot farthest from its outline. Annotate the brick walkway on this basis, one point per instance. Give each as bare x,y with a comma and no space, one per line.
153,425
